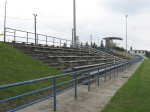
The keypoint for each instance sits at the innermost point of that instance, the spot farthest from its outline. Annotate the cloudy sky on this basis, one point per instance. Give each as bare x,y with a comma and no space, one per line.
99,18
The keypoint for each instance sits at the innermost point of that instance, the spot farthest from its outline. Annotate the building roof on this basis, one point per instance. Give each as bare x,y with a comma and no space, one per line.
113,38
137,50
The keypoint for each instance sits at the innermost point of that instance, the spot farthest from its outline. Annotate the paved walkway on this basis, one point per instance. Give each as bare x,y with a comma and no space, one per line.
92,101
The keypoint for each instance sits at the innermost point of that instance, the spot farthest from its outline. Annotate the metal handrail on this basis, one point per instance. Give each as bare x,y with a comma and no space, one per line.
100,70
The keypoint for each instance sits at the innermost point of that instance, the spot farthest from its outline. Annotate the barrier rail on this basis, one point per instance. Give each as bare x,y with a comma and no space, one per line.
20,36
85,76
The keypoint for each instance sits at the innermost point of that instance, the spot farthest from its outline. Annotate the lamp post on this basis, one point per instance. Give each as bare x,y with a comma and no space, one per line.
126,33
35,15
5,22
74,21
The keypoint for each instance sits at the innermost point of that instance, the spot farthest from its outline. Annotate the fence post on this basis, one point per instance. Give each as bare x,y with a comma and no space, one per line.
75,85
98,76
89,81
54,92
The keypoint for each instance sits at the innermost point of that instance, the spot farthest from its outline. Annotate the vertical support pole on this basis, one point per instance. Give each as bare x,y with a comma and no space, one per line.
98,76
117,68
105,73
75,85
53,41
35,15
14,35
46,40
126,35
114,69
54,93
37,39
72,36
66,43
27,37
74,20
110,72
60,42
5,21
89,78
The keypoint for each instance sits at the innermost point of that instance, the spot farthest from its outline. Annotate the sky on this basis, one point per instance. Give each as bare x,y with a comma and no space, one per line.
99,18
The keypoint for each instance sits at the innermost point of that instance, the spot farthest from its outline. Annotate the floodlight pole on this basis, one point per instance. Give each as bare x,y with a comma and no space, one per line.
5,21
126,33
74,21
35,15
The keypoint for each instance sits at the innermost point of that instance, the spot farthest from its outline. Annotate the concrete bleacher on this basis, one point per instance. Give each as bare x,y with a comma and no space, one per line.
65,58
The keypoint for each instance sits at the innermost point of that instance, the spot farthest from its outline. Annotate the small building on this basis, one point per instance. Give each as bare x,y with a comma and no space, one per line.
137,52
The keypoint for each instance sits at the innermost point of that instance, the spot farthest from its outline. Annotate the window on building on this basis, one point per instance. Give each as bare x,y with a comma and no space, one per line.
135,52
143,52
139,51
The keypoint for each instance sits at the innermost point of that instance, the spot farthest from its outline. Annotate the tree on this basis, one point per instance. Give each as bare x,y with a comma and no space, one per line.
94,45
86,44
102,45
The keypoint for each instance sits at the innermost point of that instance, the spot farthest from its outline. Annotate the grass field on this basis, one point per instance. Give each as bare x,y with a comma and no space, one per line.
134,96
16,67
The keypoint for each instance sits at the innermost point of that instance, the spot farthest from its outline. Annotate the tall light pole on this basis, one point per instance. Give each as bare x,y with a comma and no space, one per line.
74,21
126,33
35,15
5,21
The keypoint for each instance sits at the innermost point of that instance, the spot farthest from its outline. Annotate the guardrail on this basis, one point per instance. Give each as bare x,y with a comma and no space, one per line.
20,36
85,76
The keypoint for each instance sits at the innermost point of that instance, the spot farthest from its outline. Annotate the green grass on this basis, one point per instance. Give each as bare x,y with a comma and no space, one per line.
16,67
134,96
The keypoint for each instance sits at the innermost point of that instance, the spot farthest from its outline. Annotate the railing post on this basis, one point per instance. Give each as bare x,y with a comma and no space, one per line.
123,66
46,40
60,42
98,76
110,73
89,78
4,34
117,68
14,35
114,69
66,43
27,37
54,92
53,41
105,74
75,85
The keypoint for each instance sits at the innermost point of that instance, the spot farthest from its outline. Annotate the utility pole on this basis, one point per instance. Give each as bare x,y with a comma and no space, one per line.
35,15
126,33
5,21
74,20
72,36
